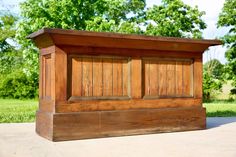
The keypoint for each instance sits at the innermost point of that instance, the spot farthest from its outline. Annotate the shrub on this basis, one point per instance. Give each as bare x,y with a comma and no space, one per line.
19,86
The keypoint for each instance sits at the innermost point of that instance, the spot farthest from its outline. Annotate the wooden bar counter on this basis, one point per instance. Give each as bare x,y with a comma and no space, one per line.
106,84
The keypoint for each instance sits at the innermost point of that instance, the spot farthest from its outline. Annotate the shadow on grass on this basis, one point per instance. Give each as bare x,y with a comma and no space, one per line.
213,122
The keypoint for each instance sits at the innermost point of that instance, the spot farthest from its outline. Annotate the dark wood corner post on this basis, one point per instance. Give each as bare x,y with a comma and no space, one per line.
104,84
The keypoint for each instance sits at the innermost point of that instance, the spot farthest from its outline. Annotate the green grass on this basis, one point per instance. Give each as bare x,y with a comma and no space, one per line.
221,108
17,111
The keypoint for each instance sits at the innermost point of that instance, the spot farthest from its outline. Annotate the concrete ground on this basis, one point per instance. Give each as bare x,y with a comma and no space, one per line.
219,140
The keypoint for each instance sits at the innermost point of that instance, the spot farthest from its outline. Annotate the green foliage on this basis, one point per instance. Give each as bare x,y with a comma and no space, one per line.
212,78
18,85
7,31
227,18
176,19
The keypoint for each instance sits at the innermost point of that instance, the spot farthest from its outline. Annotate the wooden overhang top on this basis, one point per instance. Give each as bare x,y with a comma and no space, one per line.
47,37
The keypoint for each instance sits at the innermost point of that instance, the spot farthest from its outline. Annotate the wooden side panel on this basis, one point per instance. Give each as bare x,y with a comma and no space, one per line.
167,77
99,77
46,75
60,80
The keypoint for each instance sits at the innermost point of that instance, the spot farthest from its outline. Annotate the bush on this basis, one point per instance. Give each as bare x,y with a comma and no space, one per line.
19,86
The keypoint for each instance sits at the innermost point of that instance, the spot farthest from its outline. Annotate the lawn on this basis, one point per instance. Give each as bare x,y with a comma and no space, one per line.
17,111
221,108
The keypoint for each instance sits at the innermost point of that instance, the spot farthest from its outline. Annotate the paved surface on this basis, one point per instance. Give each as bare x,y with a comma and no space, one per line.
219,140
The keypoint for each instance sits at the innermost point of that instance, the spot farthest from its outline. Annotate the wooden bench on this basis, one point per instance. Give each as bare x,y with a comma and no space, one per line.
106,84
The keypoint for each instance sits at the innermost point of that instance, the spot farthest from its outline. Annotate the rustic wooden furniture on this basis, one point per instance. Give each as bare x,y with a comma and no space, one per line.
106,84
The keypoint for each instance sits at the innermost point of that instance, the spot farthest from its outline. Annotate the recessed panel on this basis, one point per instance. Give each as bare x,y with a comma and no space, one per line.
99,77
167,78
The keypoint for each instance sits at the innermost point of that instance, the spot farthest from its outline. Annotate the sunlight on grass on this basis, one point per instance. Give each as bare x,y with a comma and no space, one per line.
221,108
17,111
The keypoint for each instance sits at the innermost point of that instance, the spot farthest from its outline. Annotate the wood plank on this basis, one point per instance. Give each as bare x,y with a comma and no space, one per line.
87,79
125,74
97,77
171,82
76,77
179,78
162,78
48,63
154,83
83,50
198,78
136,78
107,77
146,64
99,105
187,78
117,77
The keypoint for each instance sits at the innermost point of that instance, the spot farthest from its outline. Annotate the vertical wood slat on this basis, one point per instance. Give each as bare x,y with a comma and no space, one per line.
48,76
179,78
76,77
87,77
117,78
125,74
136,78
170,78
107,77
153,78
197,82
163,78
97,76
146,64
186,78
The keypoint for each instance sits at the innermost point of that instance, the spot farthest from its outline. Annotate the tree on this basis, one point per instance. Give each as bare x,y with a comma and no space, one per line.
14,83
176,19
212,78
227,18
9,56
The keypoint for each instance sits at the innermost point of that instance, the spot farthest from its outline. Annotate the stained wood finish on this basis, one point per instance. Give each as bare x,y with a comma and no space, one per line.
100,105
98,77
104,84
168,77
115,40
129,122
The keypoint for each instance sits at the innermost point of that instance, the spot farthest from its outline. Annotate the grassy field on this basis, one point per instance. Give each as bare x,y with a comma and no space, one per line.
221,108
17,111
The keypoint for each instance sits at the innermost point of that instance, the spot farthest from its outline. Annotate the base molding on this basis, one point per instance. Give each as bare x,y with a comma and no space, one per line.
94,124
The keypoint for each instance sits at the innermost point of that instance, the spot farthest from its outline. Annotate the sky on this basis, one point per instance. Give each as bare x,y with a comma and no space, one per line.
211,8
